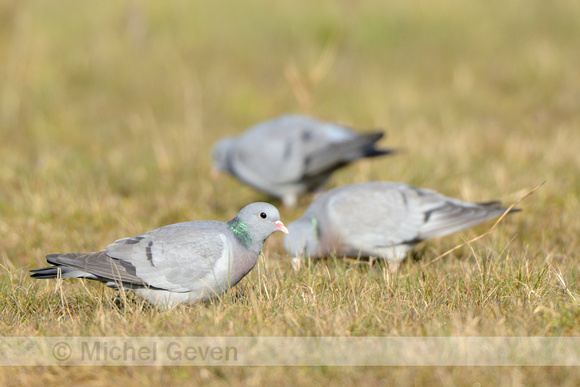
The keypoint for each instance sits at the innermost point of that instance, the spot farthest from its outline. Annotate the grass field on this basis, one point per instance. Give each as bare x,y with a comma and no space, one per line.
107,117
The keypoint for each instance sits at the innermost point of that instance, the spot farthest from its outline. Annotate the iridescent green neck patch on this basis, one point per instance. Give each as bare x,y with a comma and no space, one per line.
315,229
241,231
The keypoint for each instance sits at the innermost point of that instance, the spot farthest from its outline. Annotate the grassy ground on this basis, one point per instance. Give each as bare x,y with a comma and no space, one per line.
108,113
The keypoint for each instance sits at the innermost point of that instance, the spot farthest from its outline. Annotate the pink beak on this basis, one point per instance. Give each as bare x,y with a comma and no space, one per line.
280,226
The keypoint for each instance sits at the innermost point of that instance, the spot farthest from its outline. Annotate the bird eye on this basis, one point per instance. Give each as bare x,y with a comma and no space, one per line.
263,215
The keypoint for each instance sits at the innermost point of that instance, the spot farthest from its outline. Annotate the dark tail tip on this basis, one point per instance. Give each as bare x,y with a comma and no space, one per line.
374,136
374,152
370,150
46,272
493,205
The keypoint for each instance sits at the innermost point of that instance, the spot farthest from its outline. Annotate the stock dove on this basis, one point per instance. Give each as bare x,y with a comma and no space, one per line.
380,219
178,263
292,154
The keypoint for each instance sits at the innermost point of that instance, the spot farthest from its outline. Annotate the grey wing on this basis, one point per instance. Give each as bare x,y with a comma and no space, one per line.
290,148
97,266
178,258
275,155
388,214
450,215
277,150
337,154
374,215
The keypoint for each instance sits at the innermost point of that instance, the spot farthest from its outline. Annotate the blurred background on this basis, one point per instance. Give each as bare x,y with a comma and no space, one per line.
108,111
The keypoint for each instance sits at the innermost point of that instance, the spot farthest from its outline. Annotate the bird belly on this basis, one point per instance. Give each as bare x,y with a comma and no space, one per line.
391,254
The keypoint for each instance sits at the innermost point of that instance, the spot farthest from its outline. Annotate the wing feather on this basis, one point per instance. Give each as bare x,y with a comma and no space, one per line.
98,264
168,257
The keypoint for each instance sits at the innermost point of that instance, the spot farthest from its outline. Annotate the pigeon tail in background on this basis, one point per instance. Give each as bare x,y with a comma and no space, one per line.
343,153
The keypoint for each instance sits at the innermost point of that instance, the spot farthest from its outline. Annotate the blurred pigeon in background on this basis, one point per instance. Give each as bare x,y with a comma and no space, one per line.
178,263
380,219
292,155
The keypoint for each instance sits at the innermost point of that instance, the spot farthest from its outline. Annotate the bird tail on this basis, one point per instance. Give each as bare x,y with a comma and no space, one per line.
453,216
58,270
497,207
368,148
342,153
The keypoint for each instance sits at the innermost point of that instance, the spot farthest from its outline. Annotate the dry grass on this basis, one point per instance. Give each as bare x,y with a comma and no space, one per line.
108,112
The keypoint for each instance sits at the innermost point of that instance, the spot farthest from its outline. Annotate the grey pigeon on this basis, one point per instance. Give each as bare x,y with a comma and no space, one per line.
178,263
380,219
292,155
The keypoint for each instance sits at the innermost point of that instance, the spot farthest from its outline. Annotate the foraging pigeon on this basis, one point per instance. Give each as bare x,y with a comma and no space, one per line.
380,219
177,263
292,154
